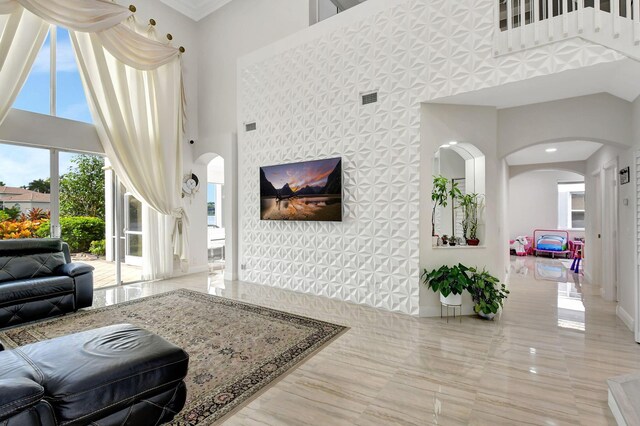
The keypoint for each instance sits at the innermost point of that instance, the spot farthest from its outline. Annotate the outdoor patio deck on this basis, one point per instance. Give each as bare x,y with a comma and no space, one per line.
104,274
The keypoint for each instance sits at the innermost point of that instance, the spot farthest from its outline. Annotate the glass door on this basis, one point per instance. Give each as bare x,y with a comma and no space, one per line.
132,230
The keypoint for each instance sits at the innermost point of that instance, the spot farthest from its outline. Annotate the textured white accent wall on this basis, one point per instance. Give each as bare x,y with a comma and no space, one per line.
303,92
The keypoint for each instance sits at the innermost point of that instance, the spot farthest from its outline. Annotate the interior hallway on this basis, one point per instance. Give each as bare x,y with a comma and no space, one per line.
537,364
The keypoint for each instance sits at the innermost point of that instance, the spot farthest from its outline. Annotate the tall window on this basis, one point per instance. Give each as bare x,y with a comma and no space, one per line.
54,86
571,205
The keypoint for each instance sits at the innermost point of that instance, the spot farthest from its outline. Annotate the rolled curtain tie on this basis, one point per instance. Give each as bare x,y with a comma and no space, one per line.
178,236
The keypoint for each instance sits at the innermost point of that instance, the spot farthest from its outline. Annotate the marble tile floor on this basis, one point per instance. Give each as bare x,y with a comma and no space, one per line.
545,361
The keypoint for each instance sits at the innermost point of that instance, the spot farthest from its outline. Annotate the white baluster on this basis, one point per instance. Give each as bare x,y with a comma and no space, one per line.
615,12
565,16
536,20
509,24
580,16
636,21
597,13
497,29
627,10
523,22
550,18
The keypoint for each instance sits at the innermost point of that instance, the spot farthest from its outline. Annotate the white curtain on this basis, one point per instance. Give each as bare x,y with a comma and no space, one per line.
134,88
80,15
21,37
138,115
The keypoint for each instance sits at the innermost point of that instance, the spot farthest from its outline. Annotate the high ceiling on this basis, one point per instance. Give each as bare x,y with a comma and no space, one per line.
565,151
195,9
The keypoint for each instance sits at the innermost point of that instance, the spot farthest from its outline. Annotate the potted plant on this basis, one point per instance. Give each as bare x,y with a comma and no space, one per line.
471,204
445,240
452,241
450,282
487,292
440,195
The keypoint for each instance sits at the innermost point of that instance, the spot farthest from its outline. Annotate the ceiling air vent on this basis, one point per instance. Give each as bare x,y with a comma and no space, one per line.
250,127
370,98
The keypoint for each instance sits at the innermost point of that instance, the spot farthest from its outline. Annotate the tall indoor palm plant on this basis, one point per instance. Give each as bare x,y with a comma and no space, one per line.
471,205
440,194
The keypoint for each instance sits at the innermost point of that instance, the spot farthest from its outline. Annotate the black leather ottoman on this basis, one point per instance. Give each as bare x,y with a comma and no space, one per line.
117,375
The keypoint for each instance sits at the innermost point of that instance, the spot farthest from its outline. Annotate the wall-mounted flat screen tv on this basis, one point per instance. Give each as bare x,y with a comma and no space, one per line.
311,190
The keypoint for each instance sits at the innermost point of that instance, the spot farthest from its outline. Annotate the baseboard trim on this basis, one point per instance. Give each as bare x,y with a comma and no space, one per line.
625,318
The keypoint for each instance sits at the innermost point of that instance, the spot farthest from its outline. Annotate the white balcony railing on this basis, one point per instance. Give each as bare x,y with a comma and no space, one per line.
525,24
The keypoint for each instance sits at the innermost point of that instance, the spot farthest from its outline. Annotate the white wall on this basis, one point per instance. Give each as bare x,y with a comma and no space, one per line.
533,201
303,92
232,31
578,167
235,29
600,118
477,126
626,256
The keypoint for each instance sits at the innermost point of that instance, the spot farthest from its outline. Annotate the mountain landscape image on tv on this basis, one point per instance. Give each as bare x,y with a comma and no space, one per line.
311,190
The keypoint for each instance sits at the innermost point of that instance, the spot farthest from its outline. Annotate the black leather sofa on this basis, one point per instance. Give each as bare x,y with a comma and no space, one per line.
117,375
38,280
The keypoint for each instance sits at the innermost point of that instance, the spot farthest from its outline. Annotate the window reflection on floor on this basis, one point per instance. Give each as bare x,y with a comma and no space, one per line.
570,305
215,282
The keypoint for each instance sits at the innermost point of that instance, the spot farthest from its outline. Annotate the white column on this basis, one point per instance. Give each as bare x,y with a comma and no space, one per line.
523,23
565,18
54,170
615,16
509,24
636,22
109,209
550,18
53,37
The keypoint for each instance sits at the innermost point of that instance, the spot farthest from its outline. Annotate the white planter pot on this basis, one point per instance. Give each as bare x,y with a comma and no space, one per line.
451,299
434,241
486,316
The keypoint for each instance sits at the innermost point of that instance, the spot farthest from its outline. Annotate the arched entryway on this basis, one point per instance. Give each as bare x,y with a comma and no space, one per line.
215,226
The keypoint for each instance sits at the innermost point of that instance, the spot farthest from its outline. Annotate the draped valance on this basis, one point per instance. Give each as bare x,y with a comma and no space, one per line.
110,21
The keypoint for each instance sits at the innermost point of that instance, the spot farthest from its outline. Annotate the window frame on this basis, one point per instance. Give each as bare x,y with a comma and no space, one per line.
569,205
53,39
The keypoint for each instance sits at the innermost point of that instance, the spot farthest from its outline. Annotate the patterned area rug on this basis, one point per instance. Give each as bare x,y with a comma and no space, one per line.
235,349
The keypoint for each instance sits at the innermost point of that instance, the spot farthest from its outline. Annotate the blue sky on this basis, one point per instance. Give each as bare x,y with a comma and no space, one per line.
20,165
70,99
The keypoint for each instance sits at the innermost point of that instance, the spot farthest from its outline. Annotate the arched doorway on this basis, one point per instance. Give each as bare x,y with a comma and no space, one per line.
214,228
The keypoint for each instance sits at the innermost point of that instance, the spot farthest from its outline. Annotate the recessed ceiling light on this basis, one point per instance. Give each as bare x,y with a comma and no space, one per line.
453,143
446,145
551,149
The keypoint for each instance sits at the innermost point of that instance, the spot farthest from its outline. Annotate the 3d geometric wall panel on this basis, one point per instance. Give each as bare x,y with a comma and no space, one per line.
307,104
